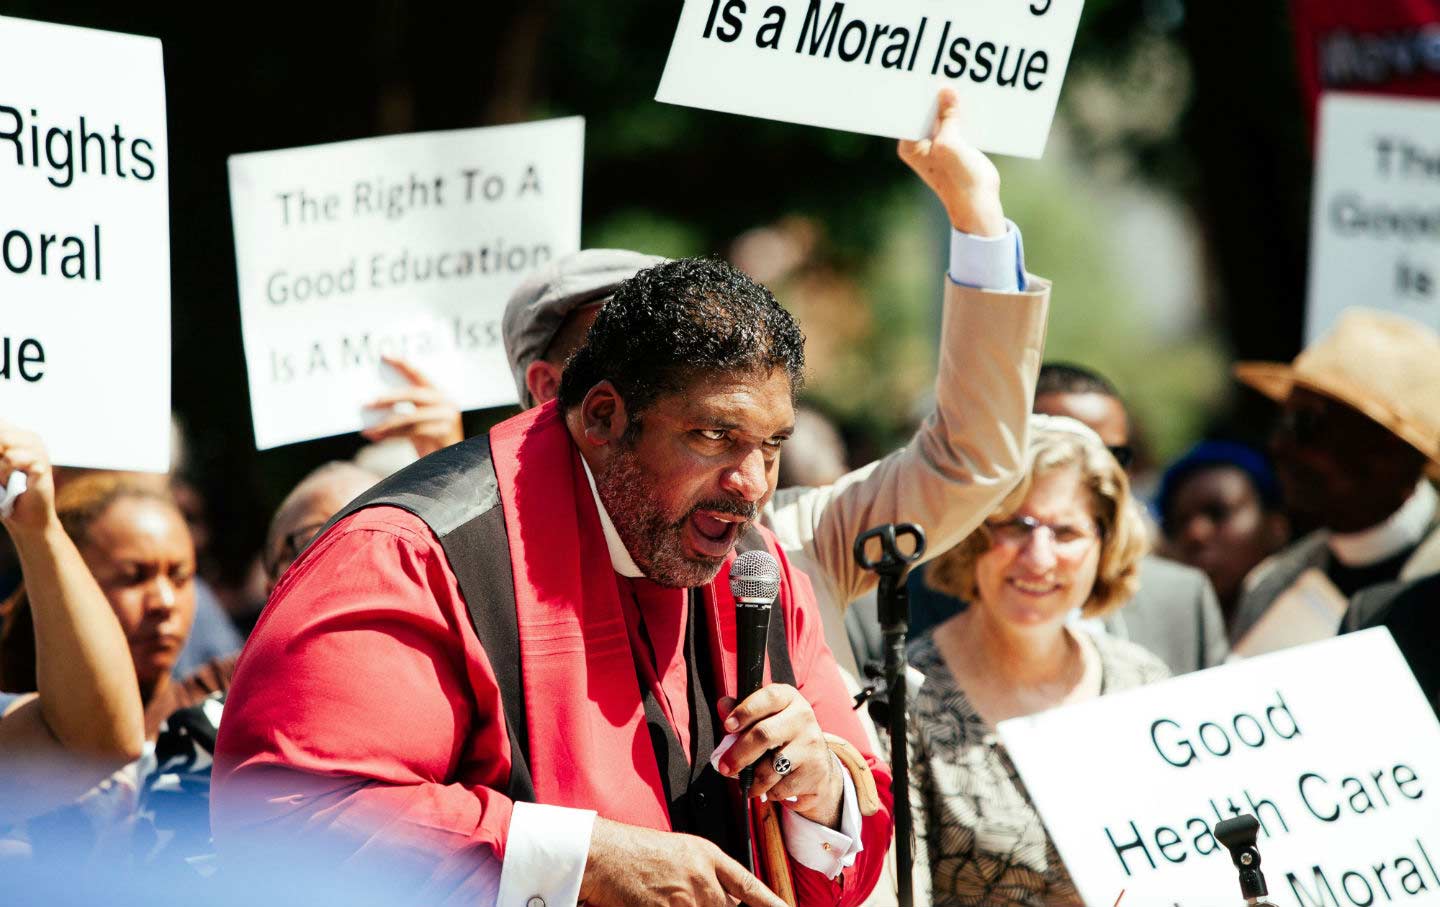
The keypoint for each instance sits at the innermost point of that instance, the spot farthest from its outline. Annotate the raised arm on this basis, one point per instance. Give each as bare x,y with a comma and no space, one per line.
86,719
969,452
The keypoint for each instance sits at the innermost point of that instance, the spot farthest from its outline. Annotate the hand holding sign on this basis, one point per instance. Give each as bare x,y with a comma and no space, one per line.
419,412
31,510
963,178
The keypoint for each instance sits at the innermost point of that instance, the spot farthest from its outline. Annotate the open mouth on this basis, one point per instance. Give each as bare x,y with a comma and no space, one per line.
713,534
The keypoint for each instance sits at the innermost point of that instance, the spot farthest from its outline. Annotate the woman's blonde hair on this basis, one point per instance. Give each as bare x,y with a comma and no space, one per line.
1059,443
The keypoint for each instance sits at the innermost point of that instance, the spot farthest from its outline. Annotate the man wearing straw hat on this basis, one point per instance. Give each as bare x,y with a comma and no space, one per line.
1359,425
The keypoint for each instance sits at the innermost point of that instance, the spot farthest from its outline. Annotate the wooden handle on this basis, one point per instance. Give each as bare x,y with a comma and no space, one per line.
772,852
859,769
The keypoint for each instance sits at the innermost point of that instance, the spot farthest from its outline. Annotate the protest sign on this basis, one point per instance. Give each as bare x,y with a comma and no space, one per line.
875,66
1375,223
85,244
403,245
1331,746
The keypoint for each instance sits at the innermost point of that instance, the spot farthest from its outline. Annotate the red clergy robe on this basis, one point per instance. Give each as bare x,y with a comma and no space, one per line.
365,719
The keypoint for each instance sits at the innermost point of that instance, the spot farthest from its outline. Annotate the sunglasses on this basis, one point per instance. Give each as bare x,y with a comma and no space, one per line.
1306,425
1124,454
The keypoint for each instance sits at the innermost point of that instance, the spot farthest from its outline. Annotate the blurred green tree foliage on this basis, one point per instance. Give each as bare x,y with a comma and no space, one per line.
681,181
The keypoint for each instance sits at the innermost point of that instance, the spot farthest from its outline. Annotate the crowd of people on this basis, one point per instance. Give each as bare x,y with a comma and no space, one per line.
502,669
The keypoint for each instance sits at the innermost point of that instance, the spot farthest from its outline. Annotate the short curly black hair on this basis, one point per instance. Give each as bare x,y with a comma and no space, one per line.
678,321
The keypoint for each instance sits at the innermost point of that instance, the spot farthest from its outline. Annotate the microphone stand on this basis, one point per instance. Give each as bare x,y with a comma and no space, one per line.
1238,835
894,612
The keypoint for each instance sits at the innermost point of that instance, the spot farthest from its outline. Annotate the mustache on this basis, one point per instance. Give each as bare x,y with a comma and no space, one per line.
744,509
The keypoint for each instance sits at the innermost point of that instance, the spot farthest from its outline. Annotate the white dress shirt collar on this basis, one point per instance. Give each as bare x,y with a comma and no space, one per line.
1404,529
620,557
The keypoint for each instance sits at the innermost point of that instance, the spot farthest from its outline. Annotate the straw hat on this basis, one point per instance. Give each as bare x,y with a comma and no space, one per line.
1384,365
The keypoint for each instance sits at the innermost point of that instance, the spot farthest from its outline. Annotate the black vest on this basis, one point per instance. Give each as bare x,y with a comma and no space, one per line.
456,494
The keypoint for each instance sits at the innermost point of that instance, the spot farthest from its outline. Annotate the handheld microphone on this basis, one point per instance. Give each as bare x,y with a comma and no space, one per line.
754,582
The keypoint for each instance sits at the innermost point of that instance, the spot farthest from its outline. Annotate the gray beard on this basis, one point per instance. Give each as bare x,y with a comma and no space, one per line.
654,539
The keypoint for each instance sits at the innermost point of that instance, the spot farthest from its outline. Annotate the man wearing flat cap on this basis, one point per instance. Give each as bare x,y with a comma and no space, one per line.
1360,425
969,452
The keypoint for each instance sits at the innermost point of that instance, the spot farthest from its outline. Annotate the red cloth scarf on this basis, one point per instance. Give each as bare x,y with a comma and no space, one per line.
589,745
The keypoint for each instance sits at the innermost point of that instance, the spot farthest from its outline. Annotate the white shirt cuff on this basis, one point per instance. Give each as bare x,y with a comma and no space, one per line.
826,850
545,853
988,262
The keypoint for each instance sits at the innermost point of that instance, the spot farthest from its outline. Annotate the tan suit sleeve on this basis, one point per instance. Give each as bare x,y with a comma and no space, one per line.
959,465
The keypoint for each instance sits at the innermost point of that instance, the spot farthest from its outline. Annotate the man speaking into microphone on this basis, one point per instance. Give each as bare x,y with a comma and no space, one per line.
501,676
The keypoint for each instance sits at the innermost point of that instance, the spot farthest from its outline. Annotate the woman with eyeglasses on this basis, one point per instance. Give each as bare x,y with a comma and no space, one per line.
1065,545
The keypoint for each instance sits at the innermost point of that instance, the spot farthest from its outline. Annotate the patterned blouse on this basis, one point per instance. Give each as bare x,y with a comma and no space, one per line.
974,821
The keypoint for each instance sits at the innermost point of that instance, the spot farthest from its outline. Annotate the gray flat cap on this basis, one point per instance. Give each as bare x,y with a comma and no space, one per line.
540,305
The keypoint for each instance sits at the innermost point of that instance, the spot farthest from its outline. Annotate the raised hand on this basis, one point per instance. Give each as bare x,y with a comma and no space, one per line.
34,511
419,412
963,178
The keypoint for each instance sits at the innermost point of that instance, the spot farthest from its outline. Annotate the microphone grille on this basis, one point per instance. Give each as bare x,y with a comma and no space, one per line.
755,575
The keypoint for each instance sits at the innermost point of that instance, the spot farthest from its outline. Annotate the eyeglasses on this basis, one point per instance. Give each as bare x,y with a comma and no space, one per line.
1124,454
1017,532
291,544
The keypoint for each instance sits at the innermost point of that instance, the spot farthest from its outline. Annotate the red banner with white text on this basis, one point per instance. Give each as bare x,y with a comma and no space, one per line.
1376,46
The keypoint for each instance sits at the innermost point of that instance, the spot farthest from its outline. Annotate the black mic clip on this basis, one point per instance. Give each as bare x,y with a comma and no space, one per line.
890,567
1238,835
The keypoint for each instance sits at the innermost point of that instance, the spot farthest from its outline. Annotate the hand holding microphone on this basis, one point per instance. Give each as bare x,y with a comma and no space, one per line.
777,739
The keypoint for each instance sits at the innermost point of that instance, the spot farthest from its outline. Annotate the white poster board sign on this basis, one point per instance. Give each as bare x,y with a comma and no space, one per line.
85,244
875,66
1375,220
1332,746
403,245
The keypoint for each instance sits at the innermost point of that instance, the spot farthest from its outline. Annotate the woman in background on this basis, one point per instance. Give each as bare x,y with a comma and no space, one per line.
1066,541
1221,512
79,718
135,544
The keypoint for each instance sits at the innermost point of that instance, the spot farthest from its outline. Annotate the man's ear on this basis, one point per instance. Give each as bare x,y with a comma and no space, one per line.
603,417
543,381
